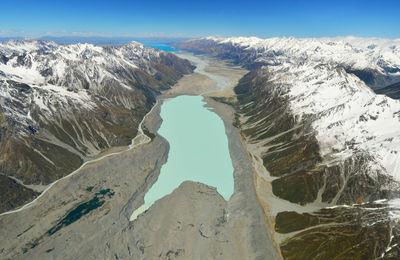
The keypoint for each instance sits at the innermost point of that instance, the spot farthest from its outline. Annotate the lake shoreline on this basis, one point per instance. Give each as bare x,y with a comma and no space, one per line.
244,172
193,221
243,164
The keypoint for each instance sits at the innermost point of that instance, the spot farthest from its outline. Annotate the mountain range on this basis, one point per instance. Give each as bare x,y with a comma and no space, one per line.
328,143
319,118
64,104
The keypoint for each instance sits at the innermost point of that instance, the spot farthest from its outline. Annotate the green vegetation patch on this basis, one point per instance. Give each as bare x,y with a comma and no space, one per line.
300,187
354,232
290,221
299,155
14,194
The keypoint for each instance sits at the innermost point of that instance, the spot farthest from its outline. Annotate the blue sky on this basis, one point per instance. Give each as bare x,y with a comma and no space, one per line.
201,18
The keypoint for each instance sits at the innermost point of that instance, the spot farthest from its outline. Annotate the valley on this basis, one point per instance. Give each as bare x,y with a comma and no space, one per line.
313,152
62,105
326,175
211,130
194,221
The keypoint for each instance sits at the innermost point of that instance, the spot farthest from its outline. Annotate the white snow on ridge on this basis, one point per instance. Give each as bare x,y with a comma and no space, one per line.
27,45
49,99
358,53
28,59
56,94
58,75
23,74
394,212
347,115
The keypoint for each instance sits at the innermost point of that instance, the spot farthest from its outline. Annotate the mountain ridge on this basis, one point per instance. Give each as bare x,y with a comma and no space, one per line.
323,145
63,104
374,60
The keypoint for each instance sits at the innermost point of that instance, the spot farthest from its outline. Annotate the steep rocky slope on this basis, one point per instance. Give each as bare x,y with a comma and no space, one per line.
193,222
312,180
325,147
63,104
392,91
375,61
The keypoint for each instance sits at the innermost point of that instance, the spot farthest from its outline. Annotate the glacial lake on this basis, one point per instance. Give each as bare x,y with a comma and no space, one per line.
198,150
161,46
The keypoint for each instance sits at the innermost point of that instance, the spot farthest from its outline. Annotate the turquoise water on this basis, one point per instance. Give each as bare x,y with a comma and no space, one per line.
161,46
198,150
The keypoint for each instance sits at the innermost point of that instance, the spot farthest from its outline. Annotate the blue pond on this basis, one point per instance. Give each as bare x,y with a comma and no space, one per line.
198,150
161,46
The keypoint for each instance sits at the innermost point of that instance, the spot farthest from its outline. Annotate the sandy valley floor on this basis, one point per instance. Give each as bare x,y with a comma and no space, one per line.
86,216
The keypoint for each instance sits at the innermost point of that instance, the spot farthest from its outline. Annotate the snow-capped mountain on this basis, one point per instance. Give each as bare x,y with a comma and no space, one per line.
375,61
61,104
326,139
62,74
328,144
79,65
347,115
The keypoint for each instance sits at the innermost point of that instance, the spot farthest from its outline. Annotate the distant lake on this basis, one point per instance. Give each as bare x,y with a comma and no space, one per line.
198,152
161,46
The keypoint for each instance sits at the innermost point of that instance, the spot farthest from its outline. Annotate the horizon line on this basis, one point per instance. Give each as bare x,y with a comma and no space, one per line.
110,37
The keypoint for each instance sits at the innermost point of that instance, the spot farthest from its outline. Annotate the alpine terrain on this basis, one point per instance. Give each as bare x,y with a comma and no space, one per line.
313,143
61,105
325,145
